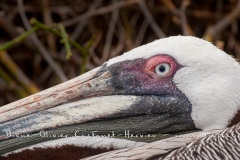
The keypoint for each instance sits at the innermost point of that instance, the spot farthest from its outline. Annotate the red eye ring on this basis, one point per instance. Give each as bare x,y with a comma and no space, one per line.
154,63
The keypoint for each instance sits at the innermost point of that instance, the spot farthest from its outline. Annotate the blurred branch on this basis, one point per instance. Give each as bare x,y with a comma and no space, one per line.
65,39
8,27
128,26
86,55
82,50
108,42
169,5
213,31
47,19
18,39
185,26
39,45
54,31
99,11
10,82
116,50
95,58
17,73
151,20
141,32
62,34
81,24
180,13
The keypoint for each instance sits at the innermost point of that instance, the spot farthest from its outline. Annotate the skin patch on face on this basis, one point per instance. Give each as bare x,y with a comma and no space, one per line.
130,78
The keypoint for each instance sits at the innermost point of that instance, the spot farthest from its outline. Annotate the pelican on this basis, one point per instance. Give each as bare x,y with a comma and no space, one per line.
172,85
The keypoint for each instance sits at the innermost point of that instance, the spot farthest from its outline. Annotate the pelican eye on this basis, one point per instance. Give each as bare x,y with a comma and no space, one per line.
162,69
161,66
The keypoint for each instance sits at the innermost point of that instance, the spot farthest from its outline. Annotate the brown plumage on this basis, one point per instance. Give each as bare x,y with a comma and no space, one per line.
215,144
66,152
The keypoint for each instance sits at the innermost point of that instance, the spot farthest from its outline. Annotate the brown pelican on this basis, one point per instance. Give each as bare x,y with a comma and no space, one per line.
171,85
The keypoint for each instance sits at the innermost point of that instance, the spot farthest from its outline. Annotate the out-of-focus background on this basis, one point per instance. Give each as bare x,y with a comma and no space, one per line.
37,53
